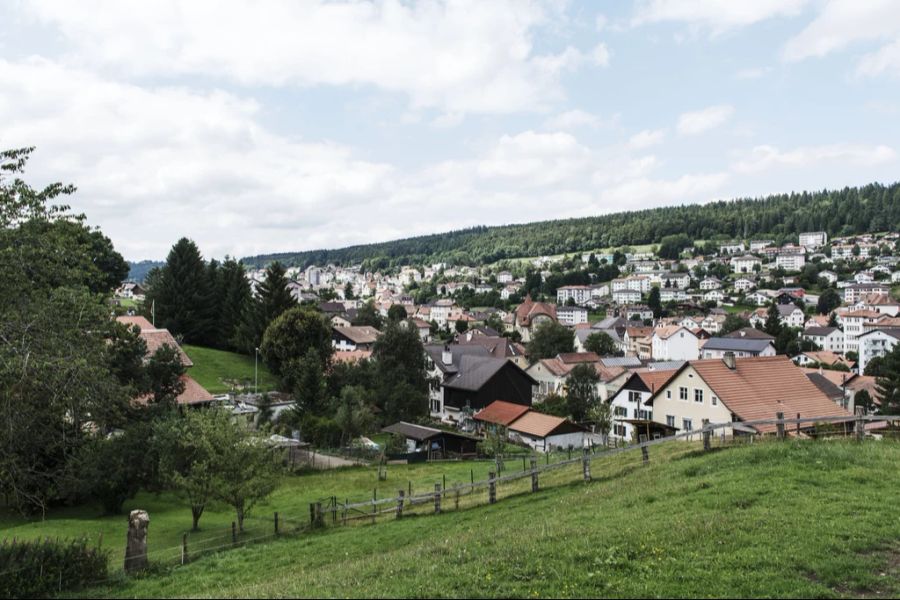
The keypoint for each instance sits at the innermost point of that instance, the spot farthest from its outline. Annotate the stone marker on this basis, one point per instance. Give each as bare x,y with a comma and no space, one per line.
136,547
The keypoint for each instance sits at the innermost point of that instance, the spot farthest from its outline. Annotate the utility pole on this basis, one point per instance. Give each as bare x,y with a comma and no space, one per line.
256,372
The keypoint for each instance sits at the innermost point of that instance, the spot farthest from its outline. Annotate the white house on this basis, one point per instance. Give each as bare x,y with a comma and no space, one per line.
581,294
627,405
745,264
717,347
791,261
813,239
744,285
571,315
826,338
876,342
674,342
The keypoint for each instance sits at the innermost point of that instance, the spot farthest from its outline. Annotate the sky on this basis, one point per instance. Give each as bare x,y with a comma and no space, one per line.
284,125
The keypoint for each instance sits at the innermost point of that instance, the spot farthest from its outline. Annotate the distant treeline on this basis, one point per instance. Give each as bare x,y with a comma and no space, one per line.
849,211
137,271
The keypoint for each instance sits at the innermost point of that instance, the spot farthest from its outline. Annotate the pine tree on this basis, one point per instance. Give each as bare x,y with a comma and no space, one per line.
888,386
185,300
235,299
773,321
272,299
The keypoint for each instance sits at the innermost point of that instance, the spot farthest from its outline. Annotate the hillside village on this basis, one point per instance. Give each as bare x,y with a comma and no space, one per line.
818,311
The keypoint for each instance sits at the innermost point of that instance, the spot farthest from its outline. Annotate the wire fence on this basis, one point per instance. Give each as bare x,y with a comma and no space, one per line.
510,477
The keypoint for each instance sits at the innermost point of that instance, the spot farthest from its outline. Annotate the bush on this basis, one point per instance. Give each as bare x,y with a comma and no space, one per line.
320,431
38,568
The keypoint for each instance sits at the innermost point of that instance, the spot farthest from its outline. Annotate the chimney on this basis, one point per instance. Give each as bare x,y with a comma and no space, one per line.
728,359
447,356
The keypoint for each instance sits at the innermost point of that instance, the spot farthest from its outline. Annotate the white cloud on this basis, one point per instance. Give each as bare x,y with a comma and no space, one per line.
600,55
886,59
645,192
692,123
647,138
459,56
842,23
573,119
538,158
752,72
763,158
716,15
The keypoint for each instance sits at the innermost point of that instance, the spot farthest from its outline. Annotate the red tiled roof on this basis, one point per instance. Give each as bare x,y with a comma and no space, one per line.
540,425
578,357
141,322
759,387
193,393
501,412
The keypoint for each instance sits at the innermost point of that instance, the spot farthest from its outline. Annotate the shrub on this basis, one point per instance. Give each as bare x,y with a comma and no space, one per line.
38,568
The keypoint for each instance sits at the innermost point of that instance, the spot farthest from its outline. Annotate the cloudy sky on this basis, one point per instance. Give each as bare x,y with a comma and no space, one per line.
276,125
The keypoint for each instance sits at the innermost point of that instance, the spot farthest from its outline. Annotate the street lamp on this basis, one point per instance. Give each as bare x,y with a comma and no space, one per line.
256,372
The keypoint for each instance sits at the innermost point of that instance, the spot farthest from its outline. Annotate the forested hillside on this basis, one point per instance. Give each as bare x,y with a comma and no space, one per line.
873,207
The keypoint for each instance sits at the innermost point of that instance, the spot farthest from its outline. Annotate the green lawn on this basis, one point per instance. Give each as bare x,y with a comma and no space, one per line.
798,519
220,371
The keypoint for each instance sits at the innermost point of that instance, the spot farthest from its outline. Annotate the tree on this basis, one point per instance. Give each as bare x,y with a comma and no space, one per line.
888,385
654,302
401,381
235,298
602,344
273,298
671,246
112,470
185,298
397,312
549,339
189,447
244,471
864,399
164,376
306,379
353,415
773,321
829,300
581,390
367,315
291,336
733,322
600,414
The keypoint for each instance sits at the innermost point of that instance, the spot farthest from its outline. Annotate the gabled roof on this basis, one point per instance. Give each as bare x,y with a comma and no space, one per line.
820,331
475,371
457,351
141,322
670,330
726,344
420,433
573,358
501,412
540,425
156,338
358,334
759,387
193,393
529,309
651,380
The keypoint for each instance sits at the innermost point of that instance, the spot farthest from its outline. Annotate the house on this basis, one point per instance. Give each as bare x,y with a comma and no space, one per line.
750,333
791,261
530,314
433,443
732,390
856,292
881,304
131,290
830,339
674,342
627,405
875,343
717,347
711,283
497,346
355,337
527,426
790,315
626,296
714,296
743,284
821,357
854,323
479,380
543,432
745,264
673,295
550,374
441,363
830,276
193,393
572,315
813,239
580,294
504,277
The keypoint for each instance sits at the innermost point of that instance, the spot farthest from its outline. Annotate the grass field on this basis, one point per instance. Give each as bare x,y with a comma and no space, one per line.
220,371
798,519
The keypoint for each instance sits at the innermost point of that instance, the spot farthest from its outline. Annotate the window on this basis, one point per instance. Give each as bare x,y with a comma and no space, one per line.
634,396
620,411
687,425
669,394
698,395
683,393
715,401
670,420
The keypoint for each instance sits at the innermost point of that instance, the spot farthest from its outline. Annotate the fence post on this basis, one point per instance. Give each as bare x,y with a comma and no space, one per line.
534,474
706,438
276,522
320,515
184,549
860,426
645,453
586,463
312,514
437,498
780,425
400,495
492,488
233,532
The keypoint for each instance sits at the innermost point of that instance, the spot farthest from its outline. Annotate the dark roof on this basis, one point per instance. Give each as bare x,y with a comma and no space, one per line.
420,433
358,334
736,344
749,333
475,371
457,351
826,387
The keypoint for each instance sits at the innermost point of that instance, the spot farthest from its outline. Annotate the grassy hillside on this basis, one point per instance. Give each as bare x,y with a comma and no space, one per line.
848,211
799,519
219,371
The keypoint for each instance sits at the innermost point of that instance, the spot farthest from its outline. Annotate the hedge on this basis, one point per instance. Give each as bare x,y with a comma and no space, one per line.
38,568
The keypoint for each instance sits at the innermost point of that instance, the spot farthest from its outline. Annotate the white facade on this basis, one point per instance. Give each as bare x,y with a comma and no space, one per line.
831,342
628,404
581,294
744,264
791,261
813,239
571,315
680,345
873,344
